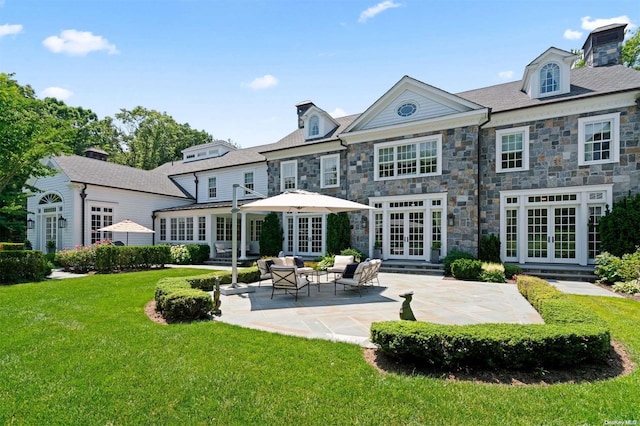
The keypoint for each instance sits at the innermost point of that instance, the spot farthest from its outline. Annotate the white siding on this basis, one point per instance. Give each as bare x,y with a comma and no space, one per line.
225,180
427,108
187,182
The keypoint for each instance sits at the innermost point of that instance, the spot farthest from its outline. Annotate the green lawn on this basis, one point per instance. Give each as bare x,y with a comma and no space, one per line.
82,351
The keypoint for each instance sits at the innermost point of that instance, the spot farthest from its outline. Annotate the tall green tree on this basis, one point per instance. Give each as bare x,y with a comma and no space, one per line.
271,236
338,232
631,51
150,138
29,132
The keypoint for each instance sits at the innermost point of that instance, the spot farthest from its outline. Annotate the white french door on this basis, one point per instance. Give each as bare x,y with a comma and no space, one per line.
551,234
407,235
306,237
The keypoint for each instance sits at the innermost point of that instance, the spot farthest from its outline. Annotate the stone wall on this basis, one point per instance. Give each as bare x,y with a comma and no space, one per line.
553,162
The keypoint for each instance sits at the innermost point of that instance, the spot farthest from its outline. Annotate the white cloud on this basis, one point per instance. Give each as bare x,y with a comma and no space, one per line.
78,43
572,35
338,112
378,8
264,82
588,23
505,75
8,29
57,92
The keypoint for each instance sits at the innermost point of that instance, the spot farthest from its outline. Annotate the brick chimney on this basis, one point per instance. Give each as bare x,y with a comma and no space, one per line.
603,47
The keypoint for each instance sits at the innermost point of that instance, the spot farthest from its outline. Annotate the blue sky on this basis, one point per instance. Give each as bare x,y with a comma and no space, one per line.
236,69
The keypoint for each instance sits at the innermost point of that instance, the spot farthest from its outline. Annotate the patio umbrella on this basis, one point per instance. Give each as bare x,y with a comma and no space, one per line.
127,226
300,201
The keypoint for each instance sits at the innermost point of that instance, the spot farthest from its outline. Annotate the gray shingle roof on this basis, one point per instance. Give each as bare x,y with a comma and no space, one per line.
231,158
585,82
296,138
102,173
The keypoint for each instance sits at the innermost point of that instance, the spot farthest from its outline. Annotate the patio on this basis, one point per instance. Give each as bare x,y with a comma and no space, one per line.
347,317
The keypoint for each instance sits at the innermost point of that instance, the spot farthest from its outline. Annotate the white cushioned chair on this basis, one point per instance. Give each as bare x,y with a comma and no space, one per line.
287,278
340,262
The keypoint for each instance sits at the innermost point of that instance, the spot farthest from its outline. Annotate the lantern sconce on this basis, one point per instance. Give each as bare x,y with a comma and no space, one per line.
363,221
451,218
62,222
31,223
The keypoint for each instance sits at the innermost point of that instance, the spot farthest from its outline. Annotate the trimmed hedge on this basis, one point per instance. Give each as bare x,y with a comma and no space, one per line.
22,266
105,258
571,335
452,256
466,269
11,246
178,300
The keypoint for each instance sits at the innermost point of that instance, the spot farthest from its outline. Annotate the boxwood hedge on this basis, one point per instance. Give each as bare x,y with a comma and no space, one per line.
22,266
571,335
182,298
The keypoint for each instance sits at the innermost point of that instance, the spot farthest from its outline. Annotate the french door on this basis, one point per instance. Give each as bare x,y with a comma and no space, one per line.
309,236
551,234
407,235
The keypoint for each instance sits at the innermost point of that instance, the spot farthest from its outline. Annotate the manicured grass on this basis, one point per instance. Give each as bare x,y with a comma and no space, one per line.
82,351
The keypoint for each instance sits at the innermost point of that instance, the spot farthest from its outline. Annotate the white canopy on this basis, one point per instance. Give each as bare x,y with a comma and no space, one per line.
304,202
127,226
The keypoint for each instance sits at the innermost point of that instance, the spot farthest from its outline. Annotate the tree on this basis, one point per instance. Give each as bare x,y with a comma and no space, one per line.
271,236
631,51
150,138
618,228
29,132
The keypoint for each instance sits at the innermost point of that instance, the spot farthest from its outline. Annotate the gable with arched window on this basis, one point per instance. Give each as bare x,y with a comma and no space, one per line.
314,126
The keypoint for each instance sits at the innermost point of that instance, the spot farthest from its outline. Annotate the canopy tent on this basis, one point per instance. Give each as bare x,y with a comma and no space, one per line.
127,226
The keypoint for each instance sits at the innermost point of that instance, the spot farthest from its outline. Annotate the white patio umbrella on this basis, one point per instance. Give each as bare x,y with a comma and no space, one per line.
300,201
127,226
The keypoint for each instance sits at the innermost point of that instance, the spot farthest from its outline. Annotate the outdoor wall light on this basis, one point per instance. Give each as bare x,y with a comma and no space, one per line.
62,222
363,221
31,223
451,218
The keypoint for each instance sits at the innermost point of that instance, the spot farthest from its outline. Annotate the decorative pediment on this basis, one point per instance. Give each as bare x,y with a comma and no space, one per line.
410,100
548,74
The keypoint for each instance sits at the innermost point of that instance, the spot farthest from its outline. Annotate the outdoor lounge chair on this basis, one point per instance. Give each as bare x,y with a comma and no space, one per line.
222,251
287,278
373,271
265,270
359,281
339,264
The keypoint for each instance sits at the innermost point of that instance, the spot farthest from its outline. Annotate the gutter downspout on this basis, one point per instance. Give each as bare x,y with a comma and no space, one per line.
480,178
83,196
196,182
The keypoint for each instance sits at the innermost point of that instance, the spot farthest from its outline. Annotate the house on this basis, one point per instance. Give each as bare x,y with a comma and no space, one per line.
534,161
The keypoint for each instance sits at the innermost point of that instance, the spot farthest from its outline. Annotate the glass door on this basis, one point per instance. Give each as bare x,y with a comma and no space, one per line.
551,234
407,235
310,232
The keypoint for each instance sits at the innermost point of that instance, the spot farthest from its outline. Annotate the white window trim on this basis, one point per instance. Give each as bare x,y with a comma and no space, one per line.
323,161
525,149
295,175
310,134
208,187
437,138
615,138
253,182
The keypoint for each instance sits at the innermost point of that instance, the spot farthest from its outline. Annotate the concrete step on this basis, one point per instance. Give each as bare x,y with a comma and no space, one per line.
560,272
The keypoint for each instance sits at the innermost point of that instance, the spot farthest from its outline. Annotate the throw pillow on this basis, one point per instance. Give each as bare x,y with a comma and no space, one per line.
268,263
299,262
350,270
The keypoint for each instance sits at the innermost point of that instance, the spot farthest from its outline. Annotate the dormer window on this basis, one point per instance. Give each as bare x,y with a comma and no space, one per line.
549,79
314,126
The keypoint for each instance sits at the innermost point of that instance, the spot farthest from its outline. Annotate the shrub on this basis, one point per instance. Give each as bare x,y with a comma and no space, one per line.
611,269
452,256
204,282
186,305
180,255
12,246
358,256
571,335
489,249
106,258
166,286
79,260
629,287
618,228
492,273
511,270
199,253
629,266
271,236
326,262
466,269
338,232
22,266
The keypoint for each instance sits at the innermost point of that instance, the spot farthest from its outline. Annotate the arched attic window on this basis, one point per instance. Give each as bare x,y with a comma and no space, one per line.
549,78
50,199
314,126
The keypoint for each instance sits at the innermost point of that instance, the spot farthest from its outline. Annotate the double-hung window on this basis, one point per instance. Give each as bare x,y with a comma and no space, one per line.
409,158
213,187
329,171
248,183
288,175
599,139
512,149
314,126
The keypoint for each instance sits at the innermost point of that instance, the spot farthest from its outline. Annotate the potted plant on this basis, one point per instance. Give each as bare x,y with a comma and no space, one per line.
51,246
377,249
435,251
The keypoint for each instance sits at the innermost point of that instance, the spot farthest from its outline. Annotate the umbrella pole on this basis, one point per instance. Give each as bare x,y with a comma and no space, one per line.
234,287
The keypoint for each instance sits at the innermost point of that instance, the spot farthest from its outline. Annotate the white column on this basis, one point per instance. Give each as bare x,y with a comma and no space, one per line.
243,236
